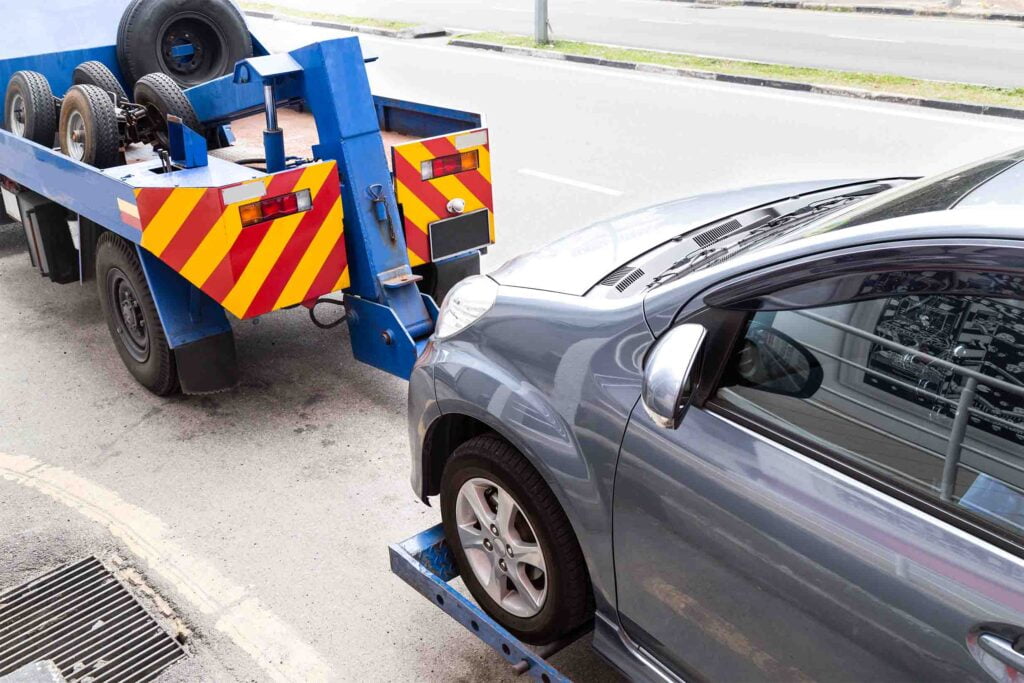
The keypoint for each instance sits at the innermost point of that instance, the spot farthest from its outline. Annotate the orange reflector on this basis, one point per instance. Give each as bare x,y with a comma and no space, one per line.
275,207
453,163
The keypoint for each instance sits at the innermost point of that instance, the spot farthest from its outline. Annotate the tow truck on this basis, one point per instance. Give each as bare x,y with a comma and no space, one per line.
277,184
272,186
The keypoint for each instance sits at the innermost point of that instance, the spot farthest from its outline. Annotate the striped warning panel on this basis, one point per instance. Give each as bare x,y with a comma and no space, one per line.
425,201
259,268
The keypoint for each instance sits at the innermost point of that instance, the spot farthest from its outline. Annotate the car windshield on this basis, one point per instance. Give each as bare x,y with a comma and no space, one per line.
936,193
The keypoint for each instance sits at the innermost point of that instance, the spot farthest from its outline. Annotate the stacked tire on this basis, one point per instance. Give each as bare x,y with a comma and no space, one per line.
195,40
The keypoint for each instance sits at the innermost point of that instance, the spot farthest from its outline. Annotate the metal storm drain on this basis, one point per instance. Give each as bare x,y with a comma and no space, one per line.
87,623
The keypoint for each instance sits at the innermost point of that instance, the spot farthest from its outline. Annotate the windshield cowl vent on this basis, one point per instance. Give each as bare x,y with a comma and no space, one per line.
613,278
709,237
627,281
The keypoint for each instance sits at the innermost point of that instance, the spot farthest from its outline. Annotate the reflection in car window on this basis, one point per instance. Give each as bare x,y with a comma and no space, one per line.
887,383
1006,189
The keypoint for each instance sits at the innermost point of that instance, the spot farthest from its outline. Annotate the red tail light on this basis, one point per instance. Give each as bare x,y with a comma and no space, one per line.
275,207
453,163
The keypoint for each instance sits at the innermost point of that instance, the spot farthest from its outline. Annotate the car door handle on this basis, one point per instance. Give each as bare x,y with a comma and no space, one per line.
1002,649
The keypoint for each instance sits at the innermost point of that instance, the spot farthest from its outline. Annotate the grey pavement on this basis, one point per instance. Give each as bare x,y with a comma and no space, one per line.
985,52
291,486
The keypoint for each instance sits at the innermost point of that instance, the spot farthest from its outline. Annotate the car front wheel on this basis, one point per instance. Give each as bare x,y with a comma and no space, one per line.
514,546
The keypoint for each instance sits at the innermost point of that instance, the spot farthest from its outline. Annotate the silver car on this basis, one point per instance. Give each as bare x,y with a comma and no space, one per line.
772,434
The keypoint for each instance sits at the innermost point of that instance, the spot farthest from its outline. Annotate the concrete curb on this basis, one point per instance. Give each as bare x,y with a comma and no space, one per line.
841,91
863,9
405,33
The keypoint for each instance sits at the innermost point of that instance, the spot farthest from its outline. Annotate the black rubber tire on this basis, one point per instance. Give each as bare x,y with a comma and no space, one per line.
39,112
162,97
101,146
97,73
569,603
154,368
149,28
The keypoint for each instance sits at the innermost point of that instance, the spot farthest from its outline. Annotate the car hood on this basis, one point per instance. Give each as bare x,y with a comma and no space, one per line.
576,262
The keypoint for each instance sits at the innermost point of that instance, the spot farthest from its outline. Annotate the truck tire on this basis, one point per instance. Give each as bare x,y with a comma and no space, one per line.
29,108
88,127
162,97
132,317
537,584
97,73
151,29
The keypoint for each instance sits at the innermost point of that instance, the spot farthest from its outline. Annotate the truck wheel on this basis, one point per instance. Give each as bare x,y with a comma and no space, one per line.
514,546
132,317
88,127
29,108
97,73
195,40
162,97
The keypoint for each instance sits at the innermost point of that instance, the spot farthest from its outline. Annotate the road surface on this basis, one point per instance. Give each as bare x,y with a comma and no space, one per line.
264,514
987,52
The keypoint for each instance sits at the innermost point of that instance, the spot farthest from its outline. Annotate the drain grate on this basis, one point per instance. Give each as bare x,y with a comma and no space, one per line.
84,620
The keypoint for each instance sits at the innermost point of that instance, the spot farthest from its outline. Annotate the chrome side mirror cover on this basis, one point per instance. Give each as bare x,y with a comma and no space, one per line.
667,374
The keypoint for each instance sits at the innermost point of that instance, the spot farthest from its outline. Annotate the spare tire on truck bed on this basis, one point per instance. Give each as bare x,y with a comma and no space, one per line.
192,41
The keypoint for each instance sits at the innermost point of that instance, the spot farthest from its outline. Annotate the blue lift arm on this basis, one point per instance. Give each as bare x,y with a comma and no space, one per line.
389,320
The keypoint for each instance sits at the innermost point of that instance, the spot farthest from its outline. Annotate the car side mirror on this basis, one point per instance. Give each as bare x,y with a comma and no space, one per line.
668,374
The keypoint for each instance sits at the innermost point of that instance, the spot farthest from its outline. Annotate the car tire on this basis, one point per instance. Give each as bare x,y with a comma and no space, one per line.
29,108
132,317
97,73
492,472
88,127
162,97
149,29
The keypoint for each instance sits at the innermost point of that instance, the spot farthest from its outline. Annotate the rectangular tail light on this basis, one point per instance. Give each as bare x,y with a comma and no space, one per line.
448,165
272,208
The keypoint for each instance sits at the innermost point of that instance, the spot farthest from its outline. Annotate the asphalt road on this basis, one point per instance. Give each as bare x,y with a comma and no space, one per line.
987,52
264,514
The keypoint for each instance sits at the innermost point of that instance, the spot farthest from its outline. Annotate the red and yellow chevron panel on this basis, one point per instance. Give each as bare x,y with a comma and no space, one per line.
256,269
425,201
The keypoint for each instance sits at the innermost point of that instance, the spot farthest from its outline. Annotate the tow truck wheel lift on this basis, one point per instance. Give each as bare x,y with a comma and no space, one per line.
213,237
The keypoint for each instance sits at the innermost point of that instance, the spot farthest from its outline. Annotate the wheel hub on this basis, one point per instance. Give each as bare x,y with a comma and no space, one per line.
18,115
129,317
501,547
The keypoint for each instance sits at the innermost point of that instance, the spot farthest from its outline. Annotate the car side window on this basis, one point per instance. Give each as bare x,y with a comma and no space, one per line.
926,390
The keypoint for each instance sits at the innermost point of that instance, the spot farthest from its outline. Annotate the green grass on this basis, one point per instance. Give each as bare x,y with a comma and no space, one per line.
937,90
325,16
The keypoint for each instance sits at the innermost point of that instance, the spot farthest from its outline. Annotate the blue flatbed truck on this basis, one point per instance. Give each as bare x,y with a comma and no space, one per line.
374,197
210,237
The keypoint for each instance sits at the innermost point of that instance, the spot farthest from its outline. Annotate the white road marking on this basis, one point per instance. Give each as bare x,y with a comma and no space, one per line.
866,38
273,644
570,182
665,21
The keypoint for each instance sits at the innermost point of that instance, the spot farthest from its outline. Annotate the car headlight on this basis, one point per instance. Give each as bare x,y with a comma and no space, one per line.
465,304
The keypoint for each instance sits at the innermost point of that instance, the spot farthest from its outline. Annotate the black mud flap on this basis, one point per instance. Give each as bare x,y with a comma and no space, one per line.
440,277
208,365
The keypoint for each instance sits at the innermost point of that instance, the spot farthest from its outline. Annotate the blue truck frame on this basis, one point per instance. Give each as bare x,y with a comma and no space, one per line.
388,318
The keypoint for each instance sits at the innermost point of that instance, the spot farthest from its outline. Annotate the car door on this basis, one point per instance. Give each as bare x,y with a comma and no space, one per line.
844,497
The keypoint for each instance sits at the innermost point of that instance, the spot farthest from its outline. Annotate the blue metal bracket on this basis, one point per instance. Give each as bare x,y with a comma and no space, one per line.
426,563
187,315
188,148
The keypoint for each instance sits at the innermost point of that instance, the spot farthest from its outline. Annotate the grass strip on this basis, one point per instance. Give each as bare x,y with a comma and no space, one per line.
873,82
286,11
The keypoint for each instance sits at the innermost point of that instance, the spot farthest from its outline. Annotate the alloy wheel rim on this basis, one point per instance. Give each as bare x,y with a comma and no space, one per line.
501,547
